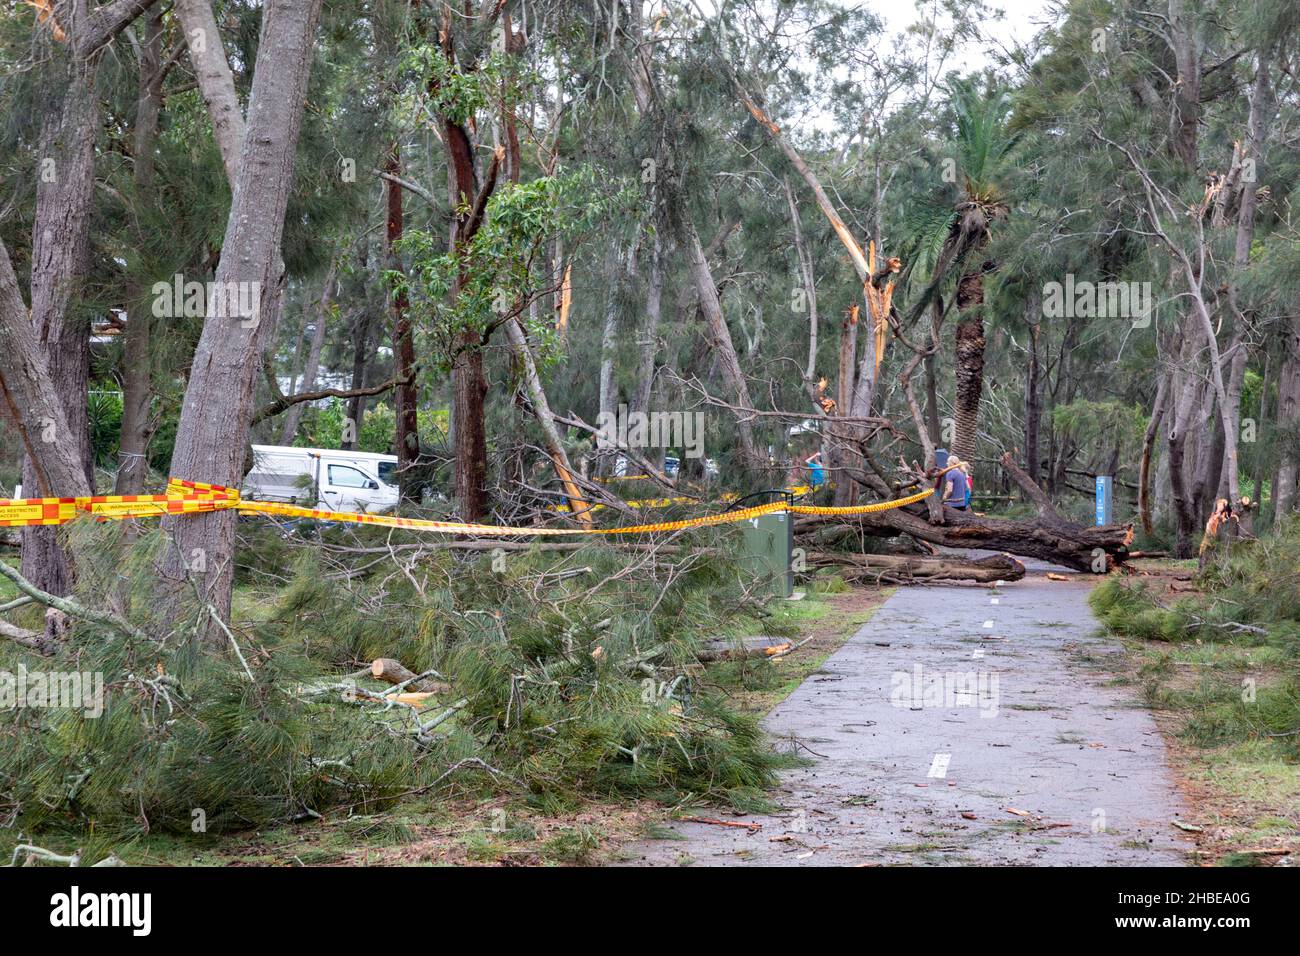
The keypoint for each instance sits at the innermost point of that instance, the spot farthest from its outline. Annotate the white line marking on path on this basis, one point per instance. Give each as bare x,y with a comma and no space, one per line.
939,769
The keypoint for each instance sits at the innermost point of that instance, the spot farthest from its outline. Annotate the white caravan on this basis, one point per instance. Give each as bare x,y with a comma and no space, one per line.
321,478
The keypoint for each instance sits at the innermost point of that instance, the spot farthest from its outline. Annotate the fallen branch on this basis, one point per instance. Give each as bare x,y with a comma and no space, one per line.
284,402
71,607
751,827
25,638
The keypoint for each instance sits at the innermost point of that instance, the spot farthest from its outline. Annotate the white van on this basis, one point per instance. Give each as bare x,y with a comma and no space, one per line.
321,478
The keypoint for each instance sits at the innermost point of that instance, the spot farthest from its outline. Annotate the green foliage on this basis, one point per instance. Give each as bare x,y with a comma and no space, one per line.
323,427
104,413
553,694
1248,613
587,693
493,273
186,739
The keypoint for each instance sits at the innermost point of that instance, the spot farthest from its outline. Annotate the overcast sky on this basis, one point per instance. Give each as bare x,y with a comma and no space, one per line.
1021,20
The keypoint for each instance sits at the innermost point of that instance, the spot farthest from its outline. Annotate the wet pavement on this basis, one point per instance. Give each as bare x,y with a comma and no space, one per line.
960,725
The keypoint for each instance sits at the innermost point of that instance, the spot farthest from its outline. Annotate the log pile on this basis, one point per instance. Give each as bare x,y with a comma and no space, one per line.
1047,537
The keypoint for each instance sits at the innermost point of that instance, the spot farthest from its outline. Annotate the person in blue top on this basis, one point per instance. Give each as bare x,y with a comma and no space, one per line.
956,486
818,473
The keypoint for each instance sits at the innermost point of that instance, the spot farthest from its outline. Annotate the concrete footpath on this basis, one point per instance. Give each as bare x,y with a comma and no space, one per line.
960,725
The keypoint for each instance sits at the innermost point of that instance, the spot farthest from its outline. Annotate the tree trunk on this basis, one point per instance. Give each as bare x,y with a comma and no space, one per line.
1148,441
311,367
578,506
608,394
216,82
1033,396
137,357
60,260
32,401
969,372
363,330
650,341
1186,111
841,454
720,338
909,569
1185,409
1285,497
212,435
407,437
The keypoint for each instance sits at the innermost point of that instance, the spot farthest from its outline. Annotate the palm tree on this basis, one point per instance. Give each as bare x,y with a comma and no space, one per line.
949,238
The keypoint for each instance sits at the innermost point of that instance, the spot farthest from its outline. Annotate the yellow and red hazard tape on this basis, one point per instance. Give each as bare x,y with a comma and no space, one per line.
188,497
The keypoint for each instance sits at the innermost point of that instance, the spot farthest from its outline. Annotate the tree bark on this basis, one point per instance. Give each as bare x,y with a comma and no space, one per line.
61,255
1148,441
218,405
1285,497
720,339
311,366
578,506
909,569
137,358
969,372
407,437
650,333
216,82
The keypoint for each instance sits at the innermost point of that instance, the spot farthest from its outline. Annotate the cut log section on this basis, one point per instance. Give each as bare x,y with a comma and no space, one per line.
391,671
725,649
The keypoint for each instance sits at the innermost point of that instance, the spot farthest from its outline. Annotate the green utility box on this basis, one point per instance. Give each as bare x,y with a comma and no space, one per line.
769,540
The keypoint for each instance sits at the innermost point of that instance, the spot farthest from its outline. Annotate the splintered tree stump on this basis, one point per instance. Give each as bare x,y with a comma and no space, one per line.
392,672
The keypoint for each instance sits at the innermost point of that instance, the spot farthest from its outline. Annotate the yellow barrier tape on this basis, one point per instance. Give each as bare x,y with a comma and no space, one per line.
186,497
666,502
863,509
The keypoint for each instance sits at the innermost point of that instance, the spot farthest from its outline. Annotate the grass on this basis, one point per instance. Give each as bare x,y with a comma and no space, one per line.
1221,666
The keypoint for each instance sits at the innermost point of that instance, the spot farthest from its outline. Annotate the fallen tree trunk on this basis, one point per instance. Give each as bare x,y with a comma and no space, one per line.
910,569
1048,537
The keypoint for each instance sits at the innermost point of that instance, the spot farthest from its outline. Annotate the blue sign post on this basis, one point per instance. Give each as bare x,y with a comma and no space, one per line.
1105,500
